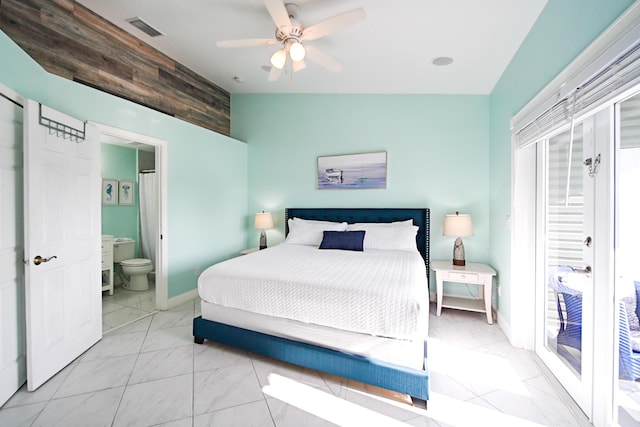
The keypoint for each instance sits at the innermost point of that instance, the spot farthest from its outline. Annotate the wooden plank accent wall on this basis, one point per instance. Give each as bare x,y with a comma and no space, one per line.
71,41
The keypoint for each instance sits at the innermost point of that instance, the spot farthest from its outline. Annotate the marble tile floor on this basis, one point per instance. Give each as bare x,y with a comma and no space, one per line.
126,306
629,404
150,373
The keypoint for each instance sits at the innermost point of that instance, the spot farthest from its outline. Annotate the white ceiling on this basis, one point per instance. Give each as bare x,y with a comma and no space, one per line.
391,52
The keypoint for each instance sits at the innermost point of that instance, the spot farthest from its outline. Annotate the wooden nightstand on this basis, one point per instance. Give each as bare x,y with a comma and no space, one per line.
473,273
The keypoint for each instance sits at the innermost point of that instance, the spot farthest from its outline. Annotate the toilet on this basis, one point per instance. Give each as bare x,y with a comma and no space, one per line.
136,269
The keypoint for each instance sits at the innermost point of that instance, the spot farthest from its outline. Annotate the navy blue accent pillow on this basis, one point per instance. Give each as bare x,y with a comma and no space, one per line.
345,240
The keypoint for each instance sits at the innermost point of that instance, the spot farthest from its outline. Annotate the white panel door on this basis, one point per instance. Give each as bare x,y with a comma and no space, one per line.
12,345
62,225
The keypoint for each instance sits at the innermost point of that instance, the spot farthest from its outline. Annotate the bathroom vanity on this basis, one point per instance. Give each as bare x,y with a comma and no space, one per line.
107,263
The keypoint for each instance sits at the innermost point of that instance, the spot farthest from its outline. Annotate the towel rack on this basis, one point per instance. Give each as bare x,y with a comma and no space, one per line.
60,129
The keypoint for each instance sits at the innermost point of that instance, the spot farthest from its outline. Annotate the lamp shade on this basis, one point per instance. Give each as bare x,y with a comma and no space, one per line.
296,52
263,221
457,225
279,58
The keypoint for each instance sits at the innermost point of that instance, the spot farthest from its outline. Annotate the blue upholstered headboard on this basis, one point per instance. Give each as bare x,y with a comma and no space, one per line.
420,217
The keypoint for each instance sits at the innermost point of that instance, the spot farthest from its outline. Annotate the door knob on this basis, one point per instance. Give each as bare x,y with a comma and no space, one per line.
39,260
586,271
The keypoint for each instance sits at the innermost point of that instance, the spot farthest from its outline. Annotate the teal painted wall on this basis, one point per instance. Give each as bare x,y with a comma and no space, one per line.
437,156
120,163
207,172
444,152
563,30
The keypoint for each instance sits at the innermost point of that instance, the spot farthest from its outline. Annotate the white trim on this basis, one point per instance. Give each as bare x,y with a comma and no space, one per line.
182,298
605,319
12,95
523,246
615,39
508,332
162,285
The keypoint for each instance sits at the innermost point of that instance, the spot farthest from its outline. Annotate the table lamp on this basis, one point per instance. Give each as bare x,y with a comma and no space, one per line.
458,225
262,222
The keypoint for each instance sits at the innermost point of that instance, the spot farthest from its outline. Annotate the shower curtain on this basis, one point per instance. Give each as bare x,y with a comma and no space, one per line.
149,213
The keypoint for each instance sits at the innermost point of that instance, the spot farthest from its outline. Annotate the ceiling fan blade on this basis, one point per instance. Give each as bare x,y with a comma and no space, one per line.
246,42
324,59
279,14
333,24
275,74
298,65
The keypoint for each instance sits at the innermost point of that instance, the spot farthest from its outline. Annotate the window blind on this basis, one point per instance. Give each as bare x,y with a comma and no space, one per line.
619,75
630,123
565,208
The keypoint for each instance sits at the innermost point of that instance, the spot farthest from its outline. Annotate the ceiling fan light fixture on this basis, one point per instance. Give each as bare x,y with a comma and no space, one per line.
297,51
279,58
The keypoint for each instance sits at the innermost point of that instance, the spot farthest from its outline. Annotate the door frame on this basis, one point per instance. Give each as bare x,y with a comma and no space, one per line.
162,286
19,375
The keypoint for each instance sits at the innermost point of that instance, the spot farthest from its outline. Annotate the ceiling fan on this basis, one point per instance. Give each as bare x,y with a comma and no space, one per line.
293,36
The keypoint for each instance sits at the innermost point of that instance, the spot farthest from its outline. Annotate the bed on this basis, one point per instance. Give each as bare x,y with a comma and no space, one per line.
324,328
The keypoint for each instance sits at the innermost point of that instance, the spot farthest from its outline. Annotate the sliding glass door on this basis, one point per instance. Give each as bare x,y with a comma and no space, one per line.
627,261
565,293
575,236
588,260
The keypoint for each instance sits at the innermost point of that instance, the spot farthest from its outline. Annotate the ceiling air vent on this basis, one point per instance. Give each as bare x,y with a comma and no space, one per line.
144,27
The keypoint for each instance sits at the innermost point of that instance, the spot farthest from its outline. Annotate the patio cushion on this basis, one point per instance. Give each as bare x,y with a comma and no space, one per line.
637,286
630,305
628,291
634,337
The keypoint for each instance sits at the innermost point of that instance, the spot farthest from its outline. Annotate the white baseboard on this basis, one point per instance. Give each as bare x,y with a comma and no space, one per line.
517,342
506,328
182,298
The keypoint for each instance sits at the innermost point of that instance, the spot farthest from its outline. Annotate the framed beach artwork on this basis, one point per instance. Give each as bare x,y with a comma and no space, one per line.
125,192
353,171
109,192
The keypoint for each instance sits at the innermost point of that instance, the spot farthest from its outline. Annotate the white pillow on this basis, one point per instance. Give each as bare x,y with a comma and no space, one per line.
309,232
312,221
407,222
398,236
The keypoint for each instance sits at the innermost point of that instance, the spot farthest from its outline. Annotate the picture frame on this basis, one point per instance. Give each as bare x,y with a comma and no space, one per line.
125,192
353,171
109,192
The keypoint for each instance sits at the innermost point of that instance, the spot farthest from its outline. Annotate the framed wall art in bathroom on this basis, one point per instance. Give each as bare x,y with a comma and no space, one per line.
125,192
109,192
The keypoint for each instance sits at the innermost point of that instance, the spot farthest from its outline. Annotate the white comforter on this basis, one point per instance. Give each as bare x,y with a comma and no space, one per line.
380,293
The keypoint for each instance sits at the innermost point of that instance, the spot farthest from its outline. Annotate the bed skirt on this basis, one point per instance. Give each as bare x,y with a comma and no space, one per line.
371,371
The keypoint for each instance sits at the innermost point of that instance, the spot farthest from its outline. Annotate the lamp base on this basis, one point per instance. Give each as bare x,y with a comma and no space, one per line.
263,240
458,253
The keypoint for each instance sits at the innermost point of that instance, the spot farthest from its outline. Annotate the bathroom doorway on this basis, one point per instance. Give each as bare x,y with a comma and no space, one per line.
135,227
